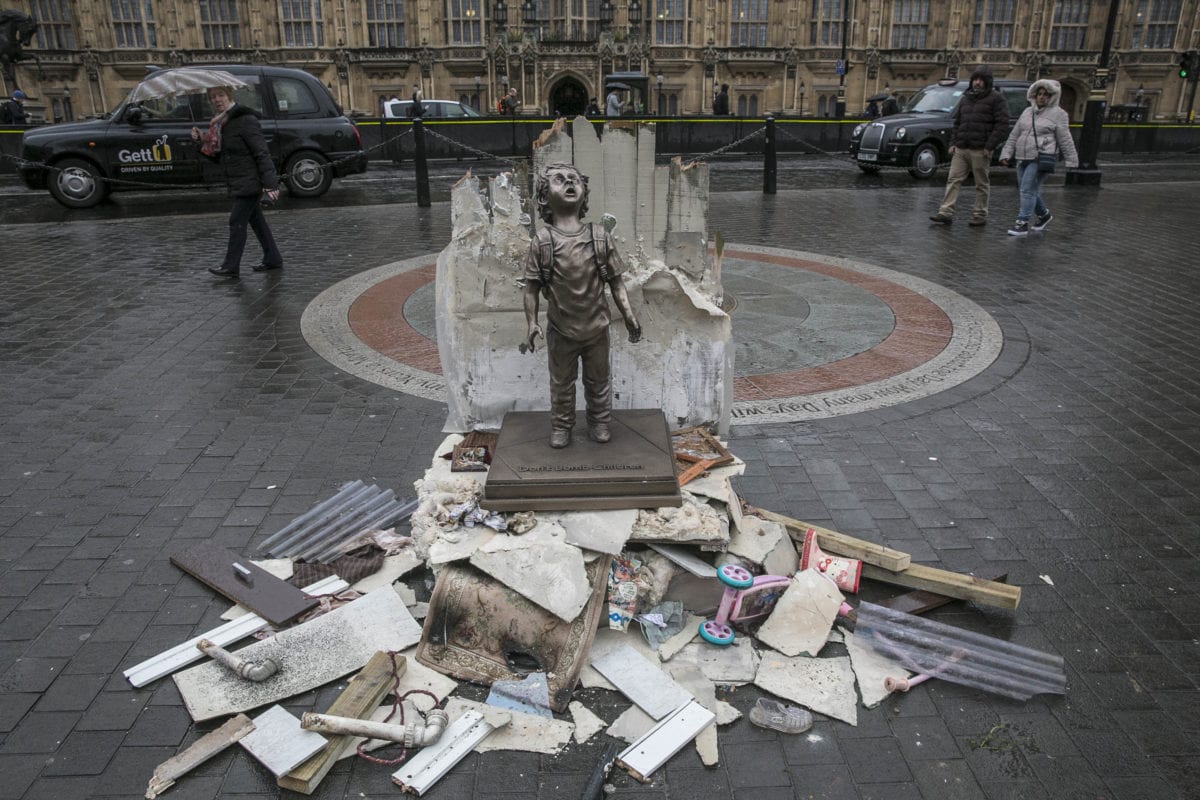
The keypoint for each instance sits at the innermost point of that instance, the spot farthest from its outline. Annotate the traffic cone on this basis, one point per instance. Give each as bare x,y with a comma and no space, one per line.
845,572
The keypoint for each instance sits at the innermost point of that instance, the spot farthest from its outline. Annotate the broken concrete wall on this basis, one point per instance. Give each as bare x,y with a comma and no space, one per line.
684,363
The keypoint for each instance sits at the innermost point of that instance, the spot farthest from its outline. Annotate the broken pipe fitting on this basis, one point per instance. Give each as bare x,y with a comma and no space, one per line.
413,734
256,671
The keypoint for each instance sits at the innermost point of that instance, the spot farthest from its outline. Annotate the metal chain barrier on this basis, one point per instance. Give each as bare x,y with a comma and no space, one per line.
472,150
722,150
843,158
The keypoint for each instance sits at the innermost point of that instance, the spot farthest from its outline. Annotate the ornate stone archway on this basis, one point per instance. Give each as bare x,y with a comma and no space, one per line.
568,96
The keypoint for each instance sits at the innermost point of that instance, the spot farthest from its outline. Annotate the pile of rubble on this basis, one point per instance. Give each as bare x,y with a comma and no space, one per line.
666,606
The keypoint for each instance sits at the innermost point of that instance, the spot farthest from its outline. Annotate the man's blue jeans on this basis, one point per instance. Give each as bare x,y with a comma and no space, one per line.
1030,182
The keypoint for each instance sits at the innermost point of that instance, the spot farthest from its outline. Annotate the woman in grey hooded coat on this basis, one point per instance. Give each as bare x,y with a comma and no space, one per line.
1041,128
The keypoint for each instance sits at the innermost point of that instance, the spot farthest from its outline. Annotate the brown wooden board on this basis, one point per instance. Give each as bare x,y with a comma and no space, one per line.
362,695
920,601
698,444
951,584
276,601
839,543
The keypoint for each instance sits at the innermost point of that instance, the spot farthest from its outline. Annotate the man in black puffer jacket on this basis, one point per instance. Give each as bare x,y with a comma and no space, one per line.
980,126
234,140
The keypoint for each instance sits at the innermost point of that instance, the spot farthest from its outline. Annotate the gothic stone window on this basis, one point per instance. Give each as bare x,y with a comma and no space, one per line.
302,23
54,25
133,23
385,23
464,22
670,20
910,24
567,20
748,23
1154,25
219,23
993,23
826,23
1070,24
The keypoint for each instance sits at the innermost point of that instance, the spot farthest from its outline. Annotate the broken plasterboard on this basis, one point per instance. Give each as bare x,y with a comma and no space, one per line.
199,751
705,692
754,539
641,681
686,559
458,543
803,616
279,743
646,755
599,531
691,629
541,566
734,664
825,685
631,725
309,655
527,732
235,630
871,668
607,640
694,523
394,567
586,723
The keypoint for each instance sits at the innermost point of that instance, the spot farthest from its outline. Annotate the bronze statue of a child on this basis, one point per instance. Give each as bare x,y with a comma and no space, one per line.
570,263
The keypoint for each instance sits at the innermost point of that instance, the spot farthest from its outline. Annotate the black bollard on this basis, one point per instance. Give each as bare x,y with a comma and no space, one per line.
421,164
770,167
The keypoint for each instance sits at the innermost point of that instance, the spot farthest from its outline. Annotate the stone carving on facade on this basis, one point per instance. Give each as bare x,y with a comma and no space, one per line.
341,61
1035,62
953,59
176,58
710,59
873,59
258,57
426,57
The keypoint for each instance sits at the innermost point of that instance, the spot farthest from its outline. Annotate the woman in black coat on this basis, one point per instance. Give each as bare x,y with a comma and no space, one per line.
234,140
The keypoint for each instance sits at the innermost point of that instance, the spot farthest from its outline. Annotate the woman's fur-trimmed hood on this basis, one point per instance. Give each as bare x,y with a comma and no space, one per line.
1052,86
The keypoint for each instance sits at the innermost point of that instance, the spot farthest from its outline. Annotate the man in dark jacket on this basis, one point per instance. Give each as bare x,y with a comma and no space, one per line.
980,126
12,112
721,101
235,141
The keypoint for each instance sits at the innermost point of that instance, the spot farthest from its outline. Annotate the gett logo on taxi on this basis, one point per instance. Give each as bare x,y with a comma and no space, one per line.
159,152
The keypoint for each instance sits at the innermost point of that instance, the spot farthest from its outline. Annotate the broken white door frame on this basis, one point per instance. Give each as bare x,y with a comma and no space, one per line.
665,739
181,655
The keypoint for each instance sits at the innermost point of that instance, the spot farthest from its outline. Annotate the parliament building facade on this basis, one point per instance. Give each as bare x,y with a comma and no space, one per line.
783,57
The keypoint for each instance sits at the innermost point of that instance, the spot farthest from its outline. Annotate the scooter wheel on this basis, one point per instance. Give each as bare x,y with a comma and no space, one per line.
735,576
716,633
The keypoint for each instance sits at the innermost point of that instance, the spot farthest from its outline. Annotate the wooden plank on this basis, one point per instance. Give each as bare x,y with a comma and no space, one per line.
201,750
695,470
920,601
224,571
951,584
840,544
362,695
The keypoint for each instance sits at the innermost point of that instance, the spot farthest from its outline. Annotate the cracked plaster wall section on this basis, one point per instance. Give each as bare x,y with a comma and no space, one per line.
684,363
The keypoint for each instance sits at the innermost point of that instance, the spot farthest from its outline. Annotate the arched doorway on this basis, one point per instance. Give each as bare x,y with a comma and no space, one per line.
1068,100
568,97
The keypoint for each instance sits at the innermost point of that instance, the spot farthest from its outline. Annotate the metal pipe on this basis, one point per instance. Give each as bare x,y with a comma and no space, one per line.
414,734
256,671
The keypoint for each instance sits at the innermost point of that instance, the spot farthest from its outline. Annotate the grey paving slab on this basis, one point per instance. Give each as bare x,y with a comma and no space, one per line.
145,406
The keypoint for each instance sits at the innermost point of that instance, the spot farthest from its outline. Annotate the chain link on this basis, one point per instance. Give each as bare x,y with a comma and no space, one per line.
721,150
473,150
843,158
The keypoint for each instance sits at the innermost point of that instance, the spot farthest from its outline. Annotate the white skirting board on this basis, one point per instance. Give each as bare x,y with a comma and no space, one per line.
665,739
427,767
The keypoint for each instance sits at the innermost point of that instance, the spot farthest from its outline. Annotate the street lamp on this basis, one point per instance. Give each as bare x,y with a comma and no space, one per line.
529,13
1088,172
478,99
606,13
500,15
662,107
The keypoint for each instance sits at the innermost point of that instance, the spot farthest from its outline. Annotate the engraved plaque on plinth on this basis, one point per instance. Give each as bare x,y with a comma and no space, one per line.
636,469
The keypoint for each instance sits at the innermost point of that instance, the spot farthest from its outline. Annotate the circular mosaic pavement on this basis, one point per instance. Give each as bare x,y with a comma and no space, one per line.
815,336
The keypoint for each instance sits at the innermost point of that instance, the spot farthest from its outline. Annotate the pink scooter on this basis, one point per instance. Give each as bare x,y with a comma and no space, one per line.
745,597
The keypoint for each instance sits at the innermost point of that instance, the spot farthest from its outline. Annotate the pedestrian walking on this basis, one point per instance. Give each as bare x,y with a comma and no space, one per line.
417,109
13,111
721,101
234,140
980,125
612,104
509,103
1036,142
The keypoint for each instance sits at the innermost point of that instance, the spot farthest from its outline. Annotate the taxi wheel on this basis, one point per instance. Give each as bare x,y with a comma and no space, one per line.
308,174
925,161
77,183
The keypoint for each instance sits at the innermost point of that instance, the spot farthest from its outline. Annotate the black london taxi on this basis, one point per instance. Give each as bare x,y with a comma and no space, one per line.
919,136
149,145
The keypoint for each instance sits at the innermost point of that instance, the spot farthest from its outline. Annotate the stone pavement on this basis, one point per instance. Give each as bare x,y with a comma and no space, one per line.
144,405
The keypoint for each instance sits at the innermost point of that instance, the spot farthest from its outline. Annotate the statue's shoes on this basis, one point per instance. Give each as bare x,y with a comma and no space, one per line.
599,432
560,438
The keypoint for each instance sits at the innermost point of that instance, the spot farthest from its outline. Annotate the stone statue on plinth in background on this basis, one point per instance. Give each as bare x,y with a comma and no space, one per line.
570,263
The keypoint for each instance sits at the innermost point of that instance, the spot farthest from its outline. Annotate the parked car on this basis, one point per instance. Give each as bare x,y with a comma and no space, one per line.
432,109
148,145
919,136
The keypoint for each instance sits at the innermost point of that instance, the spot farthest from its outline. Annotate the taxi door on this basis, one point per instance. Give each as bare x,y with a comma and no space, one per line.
151,143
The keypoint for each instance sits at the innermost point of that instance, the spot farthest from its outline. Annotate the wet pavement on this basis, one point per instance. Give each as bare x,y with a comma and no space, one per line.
145,405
